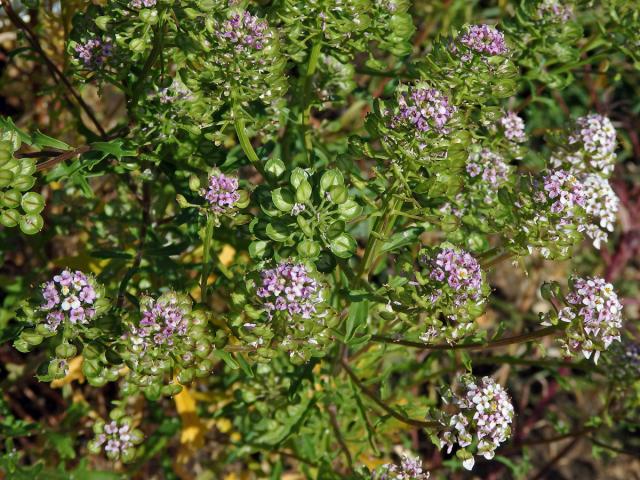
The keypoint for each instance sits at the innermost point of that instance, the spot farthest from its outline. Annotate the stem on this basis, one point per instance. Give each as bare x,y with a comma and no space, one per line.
245,143
522,338
394,413
312,66
497,259
382,228
61,158
204,275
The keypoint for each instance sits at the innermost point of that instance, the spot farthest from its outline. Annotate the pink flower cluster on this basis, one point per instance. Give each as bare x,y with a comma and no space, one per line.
70,295
485,414
555,12
423,109
460,272
162,320
565,191
513,127
289,288
594,316
143,3
222,193
409,469
244,32
484,39
490,166
94,52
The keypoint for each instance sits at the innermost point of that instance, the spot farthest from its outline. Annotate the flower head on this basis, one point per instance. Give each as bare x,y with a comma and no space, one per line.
594,315
117,438
601,203
95,52
222,193
488,166
554,11
459,271
162,322
142,3
513,127
485,415
71,296
288,288
244,32
484,40
409,469
592,145
423,109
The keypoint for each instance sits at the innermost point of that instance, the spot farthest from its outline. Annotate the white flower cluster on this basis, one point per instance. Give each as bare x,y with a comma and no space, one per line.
594,315
485,414
601,204
409,469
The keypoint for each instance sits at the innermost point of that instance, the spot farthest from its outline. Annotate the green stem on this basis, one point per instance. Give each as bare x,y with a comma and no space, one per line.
312,66
522,338
382,228
245,143
206,258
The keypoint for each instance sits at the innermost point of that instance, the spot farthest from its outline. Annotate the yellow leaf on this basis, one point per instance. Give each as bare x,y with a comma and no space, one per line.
75,373
192,434
226,255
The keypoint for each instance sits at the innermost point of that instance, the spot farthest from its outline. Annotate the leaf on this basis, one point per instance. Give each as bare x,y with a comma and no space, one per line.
41,140
115,148
358,313
192,432
110,254
400,239
296,417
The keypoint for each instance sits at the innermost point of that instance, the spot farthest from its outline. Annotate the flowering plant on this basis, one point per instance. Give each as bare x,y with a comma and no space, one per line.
326,239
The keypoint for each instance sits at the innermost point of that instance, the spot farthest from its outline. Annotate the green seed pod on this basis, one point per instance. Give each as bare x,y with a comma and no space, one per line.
9,218
97,381
128,455
23,182
171,390
12,165
27,166
32,202
186,376
203,347
66,350
6,177
31,337
31,223
57,368
11,199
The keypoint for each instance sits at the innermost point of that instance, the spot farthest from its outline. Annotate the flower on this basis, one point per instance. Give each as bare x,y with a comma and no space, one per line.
489,166
460,272
70,295
483,39
142,3
244,32
601,203
409,469
513,127
424,109
117,438
485,414
95,52
593,143
162,322
594,315
554,12
222,193
564,190
288,288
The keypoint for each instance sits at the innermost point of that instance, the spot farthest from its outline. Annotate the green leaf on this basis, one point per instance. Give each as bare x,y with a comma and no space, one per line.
358,313
115,148
41,140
